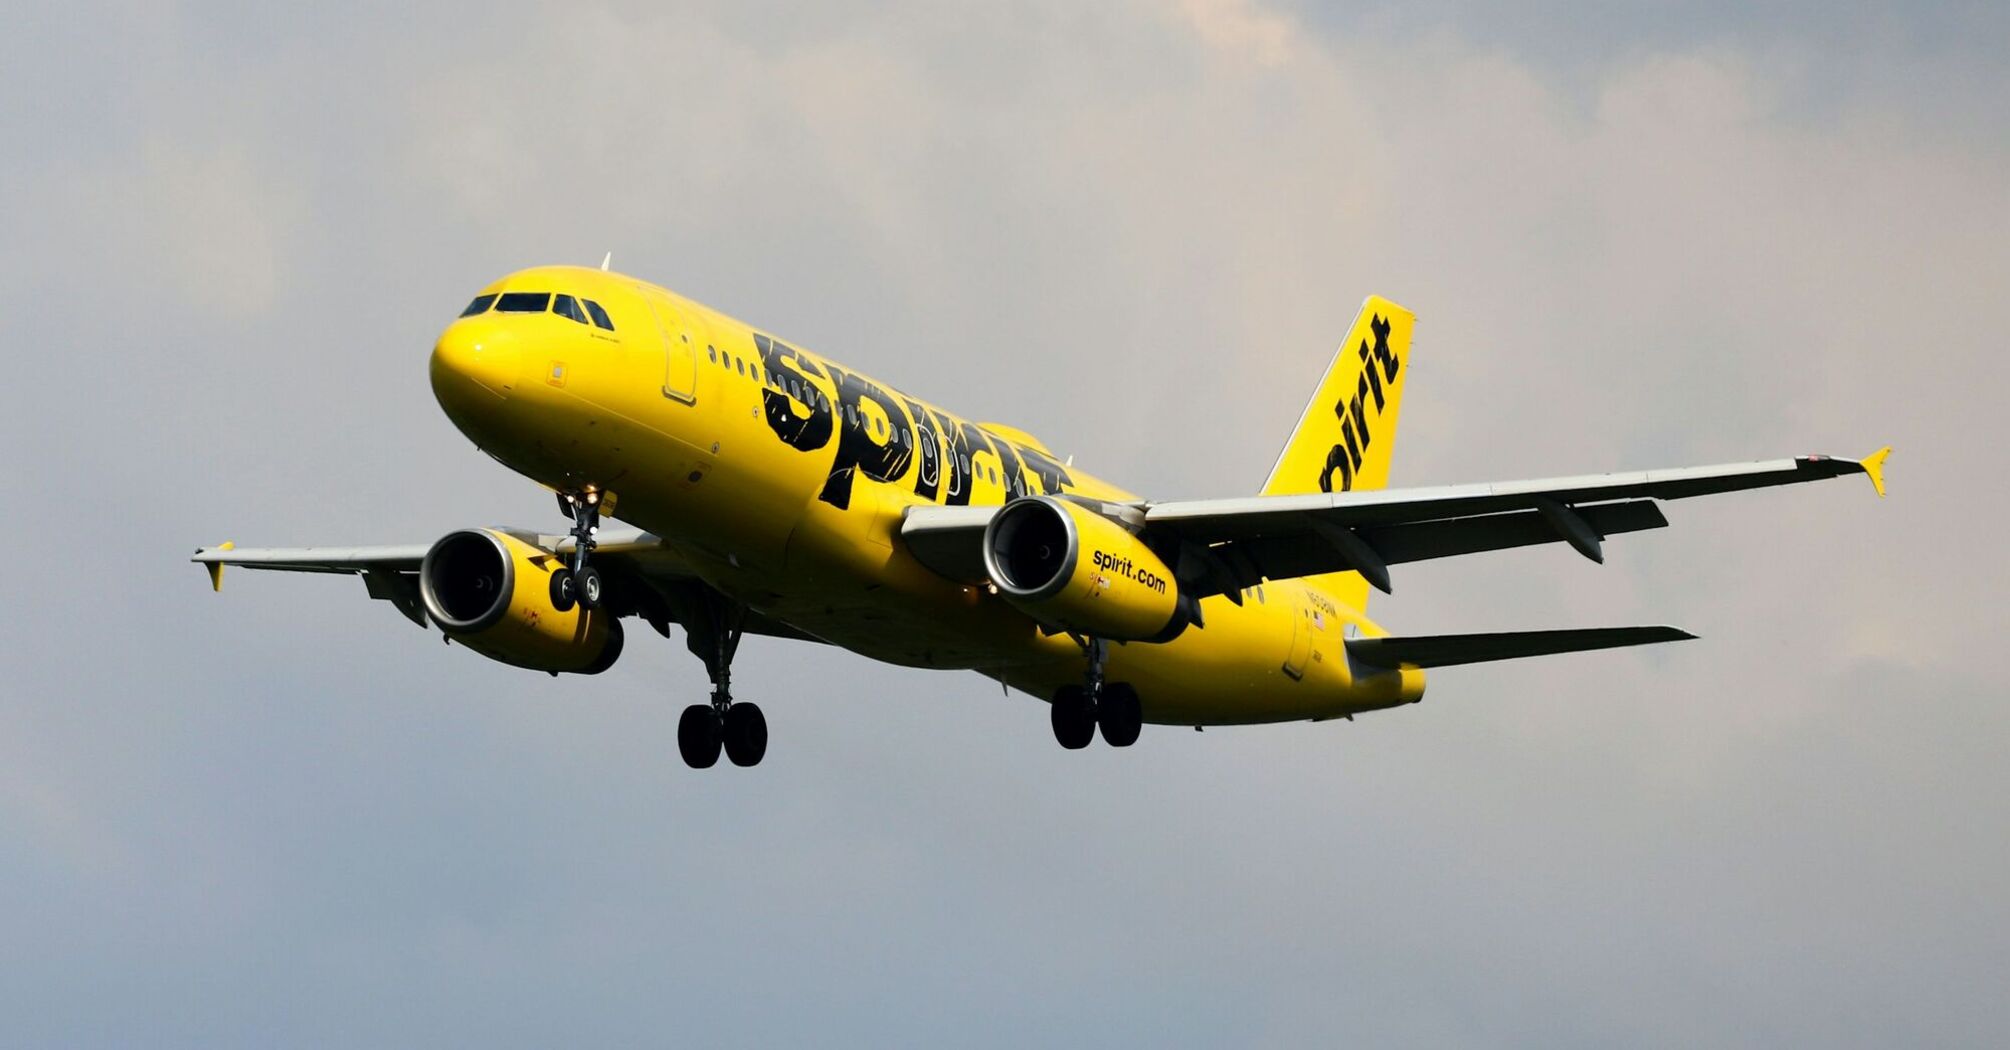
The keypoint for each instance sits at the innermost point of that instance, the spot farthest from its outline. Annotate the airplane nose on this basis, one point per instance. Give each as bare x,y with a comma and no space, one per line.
478,355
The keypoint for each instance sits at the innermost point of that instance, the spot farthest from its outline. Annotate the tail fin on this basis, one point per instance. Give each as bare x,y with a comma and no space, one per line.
1343,439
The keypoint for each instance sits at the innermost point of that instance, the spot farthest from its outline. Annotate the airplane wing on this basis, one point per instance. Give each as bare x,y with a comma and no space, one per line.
391,573
1223,546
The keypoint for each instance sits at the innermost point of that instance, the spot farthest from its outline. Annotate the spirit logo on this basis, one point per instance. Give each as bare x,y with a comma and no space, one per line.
1355,412
936,448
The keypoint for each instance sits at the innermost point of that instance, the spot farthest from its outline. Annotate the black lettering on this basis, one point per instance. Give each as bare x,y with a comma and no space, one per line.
928,475
1390,364
807,433
1052,474
962,442
858,451
1008,462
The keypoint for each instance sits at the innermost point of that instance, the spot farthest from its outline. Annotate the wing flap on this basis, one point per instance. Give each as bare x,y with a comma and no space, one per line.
1305,552
1448,650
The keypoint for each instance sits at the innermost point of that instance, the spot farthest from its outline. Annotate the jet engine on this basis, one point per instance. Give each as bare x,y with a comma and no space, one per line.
1072,568
491,592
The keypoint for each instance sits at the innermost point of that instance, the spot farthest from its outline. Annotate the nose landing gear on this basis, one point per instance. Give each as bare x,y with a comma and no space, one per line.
580,582
1080,710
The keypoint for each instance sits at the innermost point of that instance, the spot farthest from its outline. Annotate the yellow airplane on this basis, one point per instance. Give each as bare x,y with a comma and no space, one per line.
777,492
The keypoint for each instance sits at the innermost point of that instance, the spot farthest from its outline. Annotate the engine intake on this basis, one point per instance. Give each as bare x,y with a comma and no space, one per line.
1072,568
491,592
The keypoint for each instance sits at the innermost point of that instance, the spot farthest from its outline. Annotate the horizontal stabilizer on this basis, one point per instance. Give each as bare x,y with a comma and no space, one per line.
1445,650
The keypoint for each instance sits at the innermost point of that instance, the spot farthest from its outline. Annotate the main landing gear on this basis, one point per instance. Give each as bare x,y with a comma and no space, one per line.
578,583
705,729
1079,710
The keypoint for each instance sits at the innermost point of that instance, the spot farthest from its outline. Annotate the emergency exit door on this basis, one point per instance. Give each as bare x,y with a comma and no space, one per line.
680,351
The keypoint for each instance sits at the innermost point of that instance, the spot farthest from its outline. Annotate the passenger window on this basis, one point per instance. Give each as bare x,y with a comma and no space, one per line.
740,366
599,315
523,303
480,305
567,306
713,353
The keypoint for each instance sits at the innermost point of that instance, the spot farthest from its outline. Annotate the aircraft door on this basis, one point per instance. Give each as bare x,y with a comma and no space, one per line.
680,351
1301,643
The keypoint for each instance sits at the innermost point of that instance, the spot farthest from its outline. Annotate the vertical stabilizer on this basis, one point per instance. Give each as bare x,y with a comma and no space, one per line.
1343,439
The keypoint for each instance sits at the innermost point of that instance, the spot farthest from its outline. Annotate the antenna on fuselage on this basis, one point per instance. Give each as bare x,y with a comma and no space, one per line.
605,260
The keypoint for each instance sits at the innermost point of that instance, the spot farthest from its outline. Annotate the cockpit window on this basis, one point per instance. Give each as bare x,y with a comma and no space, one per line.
567,306
480,305
599,315
523,303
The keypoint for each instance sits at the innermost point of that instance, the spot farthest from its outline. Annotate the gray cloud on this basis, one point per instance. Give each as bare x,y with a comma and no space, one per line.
286,814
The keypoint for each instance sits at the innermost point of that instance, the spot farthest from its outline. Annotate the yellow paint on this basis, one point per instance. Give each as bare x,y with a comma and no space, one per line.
1343,440
1873,465
216,567
673,408
1119,589
530,633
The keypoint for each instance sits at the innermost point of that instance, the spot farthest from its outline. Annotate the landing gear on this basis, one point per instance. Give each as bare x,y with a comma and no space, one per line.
741,730
1119,715
580,582
698,736
746,734
1074,718
1080,710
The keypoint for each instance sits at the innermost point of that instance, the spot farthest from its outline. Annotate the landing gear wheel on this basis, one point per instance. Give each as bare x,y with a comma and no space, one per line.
1074,721
698,737
581,582
746,734
1119,715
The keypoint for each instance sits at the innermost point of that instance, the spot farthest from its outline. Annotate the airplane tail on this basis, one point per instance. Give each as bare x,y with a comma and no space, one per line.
1343,439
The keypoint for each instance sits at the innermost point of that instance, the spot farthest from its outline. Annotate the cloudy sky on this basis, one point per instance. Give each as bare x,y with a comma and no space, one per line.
1633,239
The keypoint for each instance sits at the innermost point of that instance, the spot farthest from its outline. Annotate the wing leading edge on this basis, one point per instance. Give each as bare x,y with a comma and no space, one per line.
1238,543
391,573
1223,546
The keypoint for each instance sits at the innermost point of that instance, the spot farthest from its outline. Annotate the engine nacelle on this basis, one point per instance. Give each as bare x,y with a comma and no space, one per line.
491,592
1069,567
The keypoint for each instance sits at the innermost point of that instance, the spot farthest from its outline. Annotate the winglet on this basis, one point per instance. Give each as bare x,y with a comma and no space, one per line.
1873,465
216,567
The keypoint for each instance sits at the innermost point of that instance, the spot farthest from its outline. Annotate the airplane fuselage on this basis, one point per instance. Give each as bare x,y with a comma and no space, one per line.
781,477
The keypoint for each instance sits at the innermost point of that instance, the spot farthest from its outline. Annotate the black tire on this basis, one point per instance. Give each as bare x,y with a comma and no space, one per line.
1074,723
698,736
564,593
1119,715
746,734
587,583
